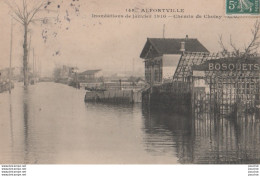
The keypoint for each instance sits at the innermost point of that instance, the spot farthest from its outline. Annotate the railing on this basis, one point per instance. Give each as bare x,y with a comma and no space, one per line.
113,85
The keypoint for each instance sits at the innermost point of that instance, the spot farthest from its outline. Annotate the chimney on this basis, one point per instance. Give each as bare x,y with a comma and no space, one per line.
182,46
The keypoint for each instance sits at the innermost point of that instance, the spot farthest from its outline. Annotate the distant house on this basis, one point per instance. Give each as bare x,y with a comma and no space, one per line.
67,71
162,56
4,73
90,75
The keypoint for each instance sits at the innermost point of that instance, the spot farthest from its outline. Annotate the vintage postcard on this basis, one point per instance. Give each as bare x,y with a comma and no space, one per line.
129,82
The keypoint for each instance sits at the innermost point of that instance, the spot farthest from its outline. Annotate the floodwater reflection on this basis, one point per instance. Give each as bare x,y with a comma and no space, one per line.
11,121
25,120
203,139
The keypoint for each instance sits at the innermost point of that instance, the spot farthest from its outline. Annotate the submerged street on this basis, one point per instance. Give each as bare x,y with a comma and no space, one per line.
50,123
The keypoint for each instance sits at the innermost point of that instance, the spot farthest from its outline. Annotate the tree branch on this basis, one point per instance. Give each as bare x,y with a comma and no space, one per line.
21,22
24,10
254,44
235,50
250,49
44,20
224,49
17,12
35,11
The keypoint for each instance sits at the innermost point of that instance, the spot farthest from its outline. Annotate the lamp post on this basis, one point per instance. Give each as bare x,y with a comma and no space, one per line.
10,61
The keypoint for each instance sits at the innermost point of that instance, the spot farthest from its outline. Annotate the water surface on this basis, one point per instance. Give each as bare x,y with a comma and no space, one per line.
50,123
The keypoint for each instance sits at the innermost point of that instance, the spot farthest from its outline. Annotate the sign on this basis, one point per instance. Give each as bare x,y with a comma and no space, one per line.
233,67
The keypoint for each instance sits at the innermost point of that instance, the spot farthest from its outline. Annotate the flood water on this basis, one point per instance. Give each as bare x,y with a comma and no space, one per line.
50,123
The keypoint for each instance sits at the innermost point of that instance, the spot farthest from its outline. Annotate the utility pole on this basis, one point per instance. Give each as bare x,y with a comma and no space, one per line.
40,68
163,30
33,71
29,49
133,66
35,67
10,61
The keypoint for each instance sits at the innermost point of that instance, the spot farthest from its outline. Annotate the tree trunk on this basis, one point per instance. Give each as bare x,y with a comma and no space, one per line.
25,57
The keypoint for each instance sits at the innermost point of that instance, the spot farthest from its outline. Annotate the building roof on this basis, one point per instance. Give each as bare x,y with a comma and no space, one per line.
90,72
172,46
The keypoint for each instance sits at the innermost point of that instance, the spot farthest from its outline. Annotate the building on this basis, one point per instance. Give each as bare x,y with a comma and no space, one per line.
183,75
4,74
91,75
163,55
16,72
64,74
67,71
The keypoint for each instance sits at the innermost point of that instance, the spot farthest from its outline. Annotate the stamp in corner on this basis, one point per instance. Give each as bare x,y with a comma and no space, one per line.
242,7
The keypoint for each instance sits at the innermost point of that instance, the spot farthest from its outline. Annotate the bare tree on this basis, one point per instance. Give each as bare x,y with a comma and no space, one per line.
24,14
249,49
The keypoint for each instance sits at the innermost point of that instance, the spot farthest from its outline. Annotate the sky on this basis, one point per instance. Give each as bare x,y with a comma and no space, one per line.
112,44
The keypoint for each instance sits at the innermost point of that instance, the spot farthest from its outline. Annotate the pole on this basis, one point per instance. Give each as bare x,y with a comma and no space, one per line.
164,31
35,69
76,80
10,61
40,68
33,76
133,66
29,49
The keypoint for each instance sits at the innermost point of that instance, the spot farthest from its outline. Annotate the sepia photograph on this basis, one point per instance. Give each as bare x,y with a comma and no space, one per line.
130,82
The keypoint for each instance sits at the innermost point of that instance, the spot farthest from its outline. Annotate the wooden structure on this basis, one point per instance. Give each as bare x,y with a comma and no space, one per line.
162,56
177,94
90,75
233,84
214,83
114,96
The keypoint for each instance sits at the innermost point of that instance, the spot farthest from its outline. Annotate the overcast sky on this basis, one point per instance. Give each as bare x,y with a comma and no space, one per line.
113,44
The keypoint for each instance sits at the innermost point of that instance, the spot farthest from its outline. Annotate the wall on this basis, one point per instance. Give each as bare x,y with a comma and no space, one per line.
169,63
99,74
153,72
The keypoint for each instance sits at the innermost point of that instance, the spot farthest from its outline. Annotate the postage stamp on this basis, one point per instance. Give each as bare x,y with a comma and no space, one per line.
242,7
